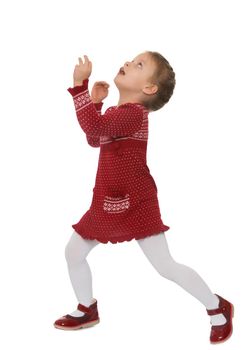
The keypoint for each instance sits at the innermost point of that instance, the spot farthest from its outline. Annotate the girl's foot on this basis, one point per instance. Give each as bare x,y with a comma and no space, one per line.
90,318
219,319
220,333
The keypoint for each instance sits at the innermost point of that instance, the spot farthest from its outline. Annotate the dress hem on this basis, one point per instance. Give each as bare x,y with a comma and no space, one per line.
121,239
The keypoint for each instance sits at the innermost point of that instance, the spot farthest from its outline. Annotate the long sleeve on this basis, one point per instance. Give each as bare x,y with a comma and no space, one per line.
94,141
118,121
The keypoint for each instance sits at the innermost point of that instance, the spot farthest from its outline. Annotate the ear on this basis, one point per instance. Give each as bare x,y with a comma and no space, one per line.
150,89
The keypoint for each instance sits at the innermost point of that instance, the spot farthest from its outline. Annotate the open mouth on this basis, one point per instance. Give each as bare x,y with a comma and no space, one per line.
121,71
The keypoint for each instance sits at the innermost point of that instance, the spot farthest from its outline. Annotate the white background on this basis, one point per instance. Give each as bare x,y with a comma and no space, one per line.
197,154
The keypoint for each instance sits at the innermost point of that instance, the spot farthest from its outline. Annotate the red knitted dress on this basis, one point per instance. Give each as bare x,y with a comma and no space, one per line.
124,202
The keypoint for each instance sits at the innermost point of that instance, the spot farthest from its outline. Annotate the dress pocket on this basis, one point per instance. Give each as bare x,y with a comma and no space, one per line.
116,205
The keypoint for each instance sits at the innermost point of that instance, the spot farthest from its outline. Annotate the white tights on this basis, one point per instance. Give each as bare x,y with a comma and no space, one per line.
156,249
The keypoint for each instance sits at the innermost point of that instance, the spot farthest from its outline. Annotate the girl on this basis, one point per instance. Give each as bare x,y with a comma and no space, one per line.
124,203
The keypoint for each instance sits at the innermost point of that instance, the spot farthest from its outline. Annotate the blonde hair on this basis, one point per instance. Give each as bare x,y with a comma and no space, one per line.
164,78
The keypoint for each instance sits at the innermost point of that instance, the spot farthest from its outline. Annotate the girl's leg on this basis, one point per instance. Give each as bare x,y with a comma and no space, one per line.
80,275
156,249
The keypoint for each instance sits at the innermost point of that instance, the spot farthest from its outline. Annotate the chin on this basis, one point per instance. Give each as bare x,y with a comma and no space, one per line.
116,82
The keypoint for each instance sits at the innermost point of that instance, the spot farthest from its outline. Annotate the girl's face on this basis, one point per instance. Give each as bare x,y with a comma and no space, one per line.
134,76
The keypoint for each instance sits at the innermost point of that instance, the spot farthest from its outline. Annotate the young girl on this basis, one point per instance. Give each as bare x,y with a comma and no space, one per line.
124,203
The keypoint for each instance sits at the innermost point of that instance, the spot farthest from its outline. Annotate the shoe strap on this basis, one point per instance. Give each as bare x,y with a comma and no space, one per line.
83,308
219,310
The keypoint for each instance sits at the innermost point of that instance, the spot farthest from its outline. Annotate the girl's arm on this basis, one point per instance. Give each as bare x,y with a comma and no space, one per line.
121,121
94,141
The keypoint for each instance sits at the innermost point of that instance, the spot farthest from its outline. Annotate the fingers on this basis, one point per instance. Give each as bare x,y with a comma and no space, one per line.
86,60
102,83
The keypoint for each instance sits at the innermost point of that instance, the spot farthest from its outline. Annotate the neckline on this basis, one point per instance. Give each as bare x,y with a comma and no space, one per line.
133,103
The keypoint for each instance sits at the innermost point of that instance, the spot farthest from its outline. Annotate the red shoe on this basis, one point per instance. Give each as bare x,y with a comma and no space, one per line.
222,332
90,318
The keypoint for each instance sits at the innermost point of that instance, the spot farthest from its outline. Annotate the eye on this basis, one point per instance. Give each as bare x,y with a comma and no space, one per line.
140,64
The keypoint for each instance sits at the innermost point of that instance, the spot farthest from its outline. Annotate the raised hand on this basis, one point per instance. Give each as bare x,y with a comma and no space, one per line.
99,91
82,70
